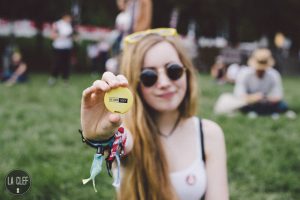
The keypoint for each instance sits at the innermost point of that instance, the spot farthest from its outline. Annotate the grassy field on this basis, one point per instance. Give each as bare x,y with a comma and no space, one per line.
38,133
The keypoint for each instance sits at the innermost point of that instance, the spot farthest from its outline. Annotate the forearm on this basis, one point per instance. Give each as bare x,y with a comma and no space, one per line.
273,99
253,98
20,70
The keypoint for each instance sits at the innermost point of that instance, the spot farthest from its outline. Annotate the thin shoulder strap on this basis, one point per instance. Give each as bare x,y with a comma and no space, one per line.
202,147
202,140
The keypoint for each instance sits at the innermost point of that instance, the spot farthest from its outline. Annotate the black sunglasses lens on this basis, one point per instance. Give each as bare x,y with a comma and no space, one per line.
174,71
148,78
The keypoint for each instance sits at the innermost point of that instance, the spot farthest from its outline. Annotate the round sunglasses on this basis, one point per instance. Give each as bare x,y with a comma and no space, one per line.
149,77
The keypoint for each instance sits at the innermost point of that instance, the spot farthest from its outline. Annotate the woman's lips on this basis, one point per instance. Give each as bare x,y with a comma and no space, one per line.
166,95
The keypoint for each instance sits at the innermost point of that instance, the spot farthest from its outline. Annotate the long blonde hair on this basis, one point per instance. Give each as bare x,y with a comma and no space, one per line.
146,174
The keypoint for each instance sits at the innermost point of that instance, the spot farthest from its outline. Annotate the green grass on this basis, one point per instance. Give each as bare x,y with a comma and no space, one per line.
38,133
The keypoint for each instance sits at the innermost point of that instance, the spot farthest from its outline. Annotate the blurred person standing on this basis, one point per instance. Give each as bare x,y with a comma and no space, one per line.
98,54
134,16
62,36
281,51
143,15
16,72
261,86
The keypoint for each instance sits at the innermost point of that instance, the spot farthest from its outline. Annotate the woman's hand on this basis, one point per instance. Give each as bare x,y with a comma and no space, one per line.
96,121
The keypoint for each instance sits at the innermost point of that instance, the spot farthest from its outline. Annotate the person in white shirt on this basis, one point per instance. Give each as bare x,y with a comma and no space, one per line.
62,35
260,85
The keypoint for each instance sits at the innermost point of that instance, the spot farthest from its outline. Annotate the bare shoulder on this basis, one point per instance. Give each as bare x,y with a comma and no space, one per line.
212,130
213,135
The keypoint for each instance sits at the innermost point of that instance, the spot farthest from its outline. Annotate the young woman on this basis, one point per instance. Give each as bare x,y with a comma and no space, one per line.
164,146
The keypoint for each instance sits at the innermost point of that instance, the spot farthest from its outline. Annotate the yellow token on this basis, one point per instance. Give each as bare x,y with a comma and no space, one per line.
118,100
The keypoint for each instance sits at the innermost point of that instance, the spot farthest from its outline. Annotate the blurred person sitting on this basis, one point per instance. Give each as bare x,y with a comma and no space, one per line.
62,36
16,72
261,86
233,71
218,70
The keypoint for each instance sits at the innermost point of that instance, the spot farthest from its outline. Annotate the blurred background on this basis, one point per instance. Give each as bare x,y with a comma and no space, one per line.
39,124
215,24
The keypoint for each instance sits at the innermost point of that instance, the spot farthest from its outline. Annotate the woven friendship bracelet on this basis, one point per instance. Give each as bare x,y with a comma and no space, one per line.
115,146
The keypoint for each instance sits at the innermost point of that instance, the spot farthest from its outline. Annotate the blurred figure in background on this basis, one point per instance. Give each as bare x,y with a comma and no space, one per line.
218,70
62,36
261,87
93,55
232,72
97,53
281,51
135,15
143,15
234,69
16,72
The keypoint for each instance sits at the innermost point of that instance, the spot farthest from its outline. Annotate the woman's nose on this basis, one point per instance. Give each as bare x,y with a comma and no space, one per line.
163,79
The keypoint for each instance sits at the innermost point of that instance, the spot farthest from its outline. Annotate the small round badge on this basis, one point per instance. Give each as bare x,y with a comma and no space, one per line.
17,182
118,100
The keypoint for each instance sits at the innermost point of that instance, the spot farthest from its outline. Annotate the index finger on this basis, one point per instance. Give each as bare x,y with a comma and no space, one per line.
98,86
86,94
122,80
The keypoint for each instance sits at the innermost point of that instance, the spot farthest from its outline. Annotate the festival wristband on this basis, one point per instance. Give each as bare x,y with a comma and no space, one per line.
115,146
94,143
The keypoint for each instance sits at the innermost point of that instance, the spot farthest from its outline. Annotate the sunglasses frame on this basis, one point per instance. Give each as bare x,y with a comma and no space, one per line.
167,67
137,36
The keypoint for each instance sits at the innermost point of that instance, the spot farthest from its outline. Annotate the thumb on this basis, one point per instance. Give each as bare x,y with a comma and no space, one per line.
109,126
115,119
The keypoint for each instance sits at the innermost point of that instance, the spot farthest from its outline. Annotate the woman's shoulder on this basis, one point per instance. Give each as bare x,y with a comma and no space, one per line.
214,141
212,131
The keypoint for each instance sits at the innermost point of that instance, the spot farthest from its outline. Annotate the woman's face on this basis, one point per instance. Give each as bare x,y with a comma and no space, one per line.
166,94
16,57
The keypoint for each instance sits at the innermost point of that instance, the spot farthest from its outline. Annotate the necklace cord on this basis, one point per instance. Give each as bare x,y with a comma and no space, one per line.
172,130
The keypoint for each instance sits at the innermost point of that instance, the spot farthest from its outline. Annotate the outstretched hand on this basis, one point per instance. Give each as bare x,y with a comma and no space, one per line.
96,121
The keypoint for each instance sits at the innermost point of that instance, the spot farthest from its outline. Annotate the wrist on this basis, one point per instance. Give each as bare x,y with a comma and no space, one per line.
92,136
96,142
